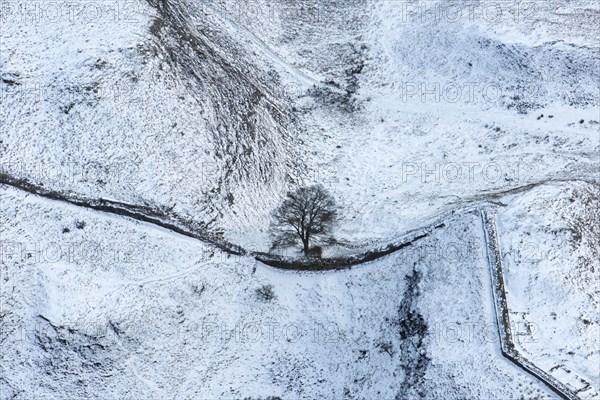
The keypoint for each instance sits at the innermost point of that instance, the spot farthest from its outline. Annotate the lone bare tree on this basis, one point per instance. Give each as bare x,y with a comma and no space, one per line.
307,213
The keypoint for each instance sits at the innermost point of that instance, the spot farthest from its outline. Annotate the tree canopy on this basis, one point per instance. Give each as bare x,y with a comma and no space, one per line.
307,213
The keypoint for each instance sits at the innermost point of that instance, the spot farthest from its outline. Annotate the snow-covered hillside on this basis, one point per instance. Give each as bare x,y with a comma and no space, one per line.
551,246
214,109
209,111
122,309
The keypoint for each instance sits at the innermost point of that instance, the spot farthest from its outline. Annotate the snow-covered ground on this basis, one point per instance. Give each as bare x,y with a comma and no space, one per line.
207,107
212,110
124,309
551,248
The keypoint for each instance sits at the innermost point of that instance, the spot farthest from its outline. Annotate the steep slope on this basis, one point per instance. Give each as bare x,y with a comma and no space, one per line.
214,109
152,109
551,250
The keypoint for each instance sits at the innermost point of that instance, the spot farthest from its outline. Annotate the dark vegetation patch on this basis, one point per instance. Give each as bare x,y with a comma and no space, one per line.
412,329
343,95
67,350
266,293
224,81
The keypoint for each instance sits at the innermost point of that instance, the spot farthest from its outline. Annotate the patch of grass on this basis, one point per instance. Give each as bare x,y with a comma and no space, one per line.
156,26
266,293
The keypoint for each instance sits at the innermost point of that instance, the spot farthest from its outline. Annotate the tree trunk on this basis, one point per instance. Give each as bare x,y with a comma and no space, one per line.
305,242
